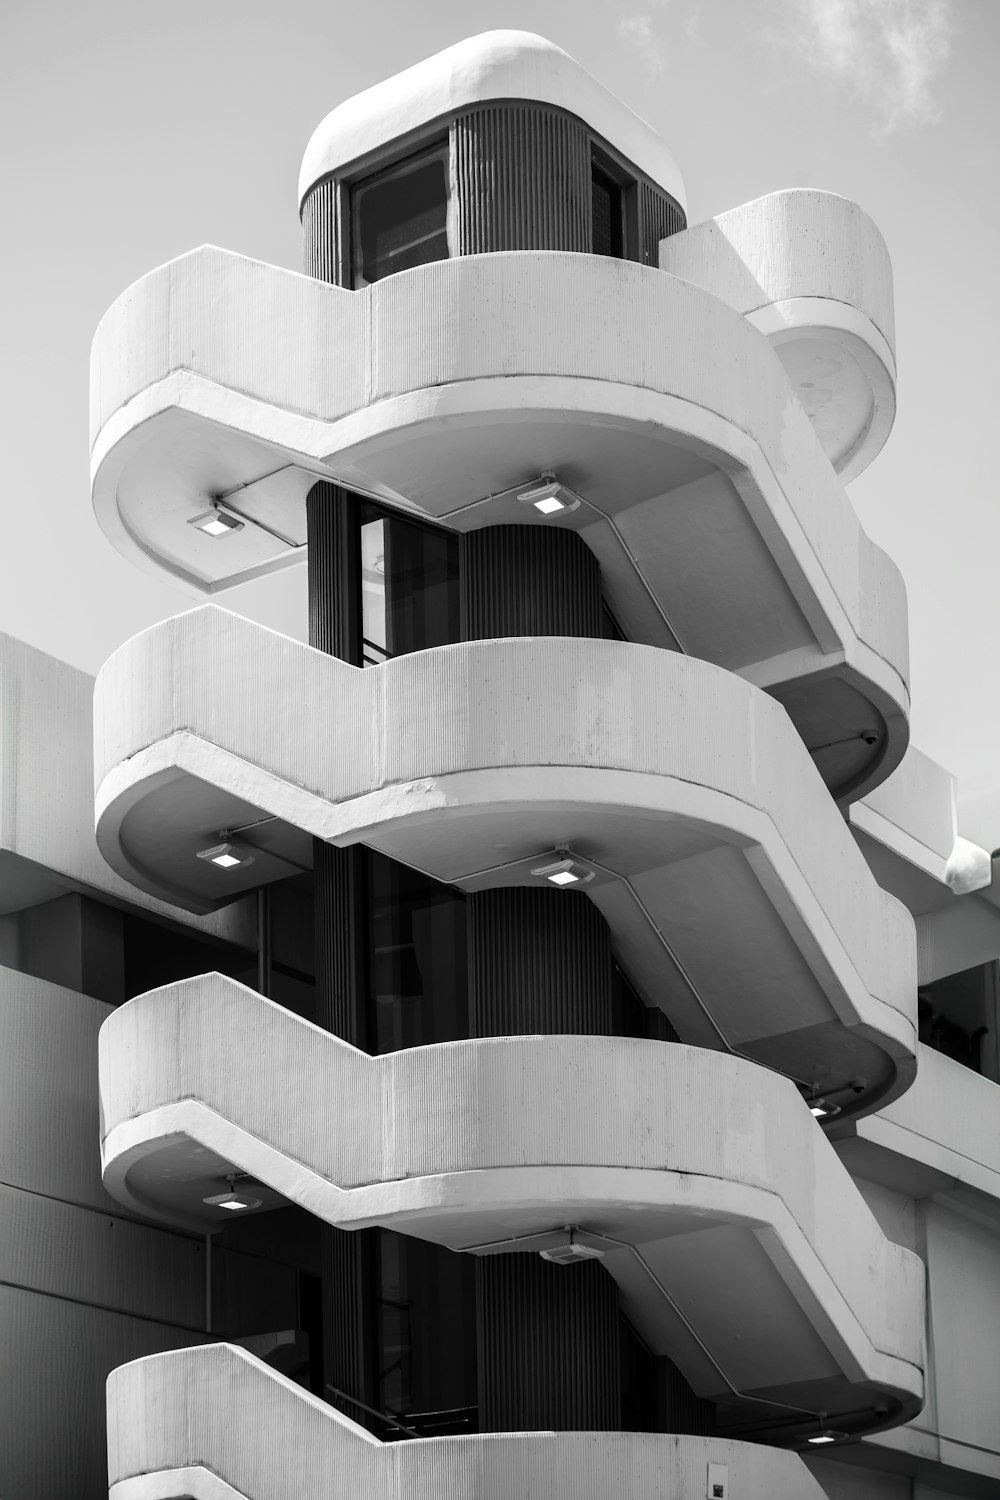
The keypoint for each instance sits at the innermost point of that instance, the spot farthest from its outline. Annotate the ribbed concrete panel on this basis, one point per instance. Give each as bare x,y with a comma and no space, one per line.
811,271
799,243
48,1103
523,179
57,1358
548,1346
617,738
320,232
470,1142
539,962
528,580
54,1247
263,1436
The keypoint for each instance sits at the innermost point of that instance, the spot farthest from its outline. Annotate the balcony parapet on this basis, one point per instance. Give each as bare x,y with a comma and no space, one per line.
216,1424
686,785
718,521
811,271
710,1168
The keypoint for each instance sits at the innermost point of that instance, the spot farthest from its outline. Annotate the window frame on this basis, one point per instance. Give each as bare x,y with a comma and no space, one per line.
385,165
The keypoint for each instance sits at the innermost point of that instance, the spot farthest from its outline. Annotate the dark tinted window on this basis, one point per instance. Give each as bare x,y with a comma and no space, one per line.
418,964
400,218
426,1335
606,201
959,1016
409,588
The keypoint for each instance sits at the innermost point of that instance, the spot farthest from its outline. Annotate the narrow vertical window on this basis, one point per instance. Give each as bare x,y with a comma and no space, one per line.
399,217
606,210
409,587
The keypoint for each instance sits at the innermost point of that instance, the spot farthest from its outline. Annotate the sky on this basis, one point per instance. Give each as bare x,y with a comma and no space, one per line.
135,131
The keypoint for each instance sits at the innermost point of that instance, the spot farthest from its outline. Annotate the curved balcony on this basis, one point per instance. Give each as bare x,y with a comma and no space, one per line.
718,521
686,788
811,272
216,1424
740,1245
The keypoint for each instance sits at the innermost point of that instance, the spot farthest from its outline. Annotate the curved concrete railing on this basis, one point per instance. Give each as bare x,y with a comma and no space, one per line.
216,1424
812,272
948,1122
469,1143
217,375
676,775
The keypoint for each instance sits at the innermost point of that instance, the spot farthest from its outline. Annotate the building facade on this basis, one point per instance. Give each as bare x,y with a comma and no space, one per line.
594,1084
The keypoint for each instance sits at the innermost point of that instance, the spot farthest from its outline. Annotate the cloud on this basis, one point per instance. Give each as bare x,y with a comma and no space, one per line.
638,30
889,52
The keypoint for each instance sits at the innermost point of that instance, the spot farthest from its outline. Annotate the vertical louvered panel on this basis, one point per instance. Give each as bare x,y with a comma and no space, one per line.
539,962
348,1300
334,571
341,934
523,179
680,1410
529,580
319,230
548,1346
659,216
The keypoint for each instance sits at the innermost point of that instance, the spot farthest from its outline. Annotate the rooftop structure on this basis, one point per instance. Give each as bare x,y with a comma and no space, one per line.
596,1089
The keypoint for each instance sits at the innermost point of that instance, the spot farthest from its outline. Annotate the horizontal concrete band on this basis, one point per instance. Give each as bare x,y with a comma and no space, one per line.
469,1142
948,1122
386,747
253,1433
812,271
290,371
797,243
497,65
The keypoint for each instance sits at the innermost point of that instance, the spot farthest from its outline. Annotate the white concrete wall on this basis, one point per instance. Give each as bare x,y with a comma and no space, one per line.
220,1409
949,1121
46,790
82,1286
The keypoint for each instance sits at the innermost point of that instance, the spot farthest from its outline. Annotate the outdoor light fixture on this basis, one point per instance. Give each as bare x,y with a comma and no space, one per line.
216,522
564,872
232,1200
548,496
571,1253
818,1439
821,1109
226,856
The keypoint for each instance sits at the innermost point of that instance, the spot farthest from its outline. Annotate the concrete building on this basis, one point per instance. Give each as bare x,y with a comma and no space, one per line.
592,1086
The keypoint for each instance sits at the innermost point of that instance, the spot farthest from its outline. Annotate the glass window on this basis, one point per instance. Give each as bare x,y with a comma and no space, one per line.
409,588
418,961
400,217
426,1335
959,1016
